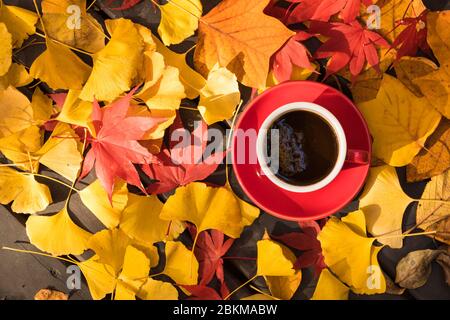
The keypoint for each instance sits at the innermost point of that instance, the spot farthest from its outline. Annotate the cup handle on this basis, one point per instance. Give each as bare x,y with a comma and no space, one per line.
357,157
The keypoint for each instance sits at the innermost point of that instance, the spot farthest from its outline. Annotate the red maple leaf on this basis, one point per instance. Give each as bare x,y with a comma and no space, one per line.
413,37
292,53
184,162
348,44
210,248
202,292
307,242
323,10
115,147
126,4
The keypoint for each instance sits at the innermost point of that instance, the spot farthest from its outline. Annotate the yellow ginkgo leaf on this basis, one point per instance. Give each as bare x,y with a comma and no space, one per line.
159,131
437,36
349,253
259,297
16,112
76,111
284,287
206,207
110,247
57,234
179,20
220,96
60,68
42,107
81,31
166,93
274,259
116,66
20,146
193,81
399,121
17,76
330,288
141,222
25,193
181,264
384,204
20,23
157,290
63,141
5,49
135,270
95,198
99,277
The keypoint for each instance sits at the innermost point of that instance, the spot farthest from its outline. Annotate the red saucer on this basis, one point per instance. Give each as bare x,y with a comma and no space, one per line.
303,206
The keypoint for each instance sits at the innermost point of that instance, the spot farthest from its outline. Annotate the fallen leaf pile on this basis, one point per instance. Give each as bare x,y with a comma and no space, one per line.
92,112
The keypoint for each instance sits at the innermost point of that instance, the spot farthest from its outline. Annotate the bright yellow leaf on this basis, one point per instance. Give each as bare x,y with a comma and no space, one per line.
5,49
62,152
399,121
42,107
284,287
17,76
179,20
193,81
157,290
57,234
76,111
20,23
274,259
348,252
60,24
220,96
95,198
116,66
330,288
60,68
99,277
181,264
25,193
16,112
206,207
384,204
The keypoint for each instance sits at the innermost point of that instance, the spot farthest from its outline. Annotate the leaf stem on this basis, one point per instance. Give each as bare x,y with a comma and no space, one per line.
241,286
406,235
40,254
63,44
52,179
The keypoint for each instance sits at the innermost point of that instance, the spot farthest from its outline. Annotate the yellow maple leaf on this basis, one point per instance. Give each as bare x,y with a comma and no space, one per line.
116,67
57,234
25,193
350,254
399,121
239,36
179,20
60,24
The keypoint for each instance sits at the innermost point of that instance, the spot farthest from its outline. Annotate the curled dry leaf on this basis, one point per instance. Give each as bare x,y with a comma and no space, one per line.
48,294
413,270
444,260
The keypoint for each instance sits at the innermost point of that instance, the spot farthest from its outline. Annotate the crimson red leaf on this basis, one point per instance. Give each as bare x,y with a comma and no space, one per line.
292,53
348,44
413,37
185,162
324,9
115,147
202,292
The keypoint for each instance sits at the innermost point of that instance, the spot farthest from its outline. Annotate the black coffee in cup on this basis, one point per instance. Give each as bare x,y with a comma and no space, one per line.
308,147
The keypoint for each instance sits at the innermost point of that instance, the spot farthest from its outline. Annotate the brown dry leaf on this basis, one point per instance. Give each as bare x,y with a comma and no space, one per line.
434,159
413,270
434,215
49,294
444,260
240,37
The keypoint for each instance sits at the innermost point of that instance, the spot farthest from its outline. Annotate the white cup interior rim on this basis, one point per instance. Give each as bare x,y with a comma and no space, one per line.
261,145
